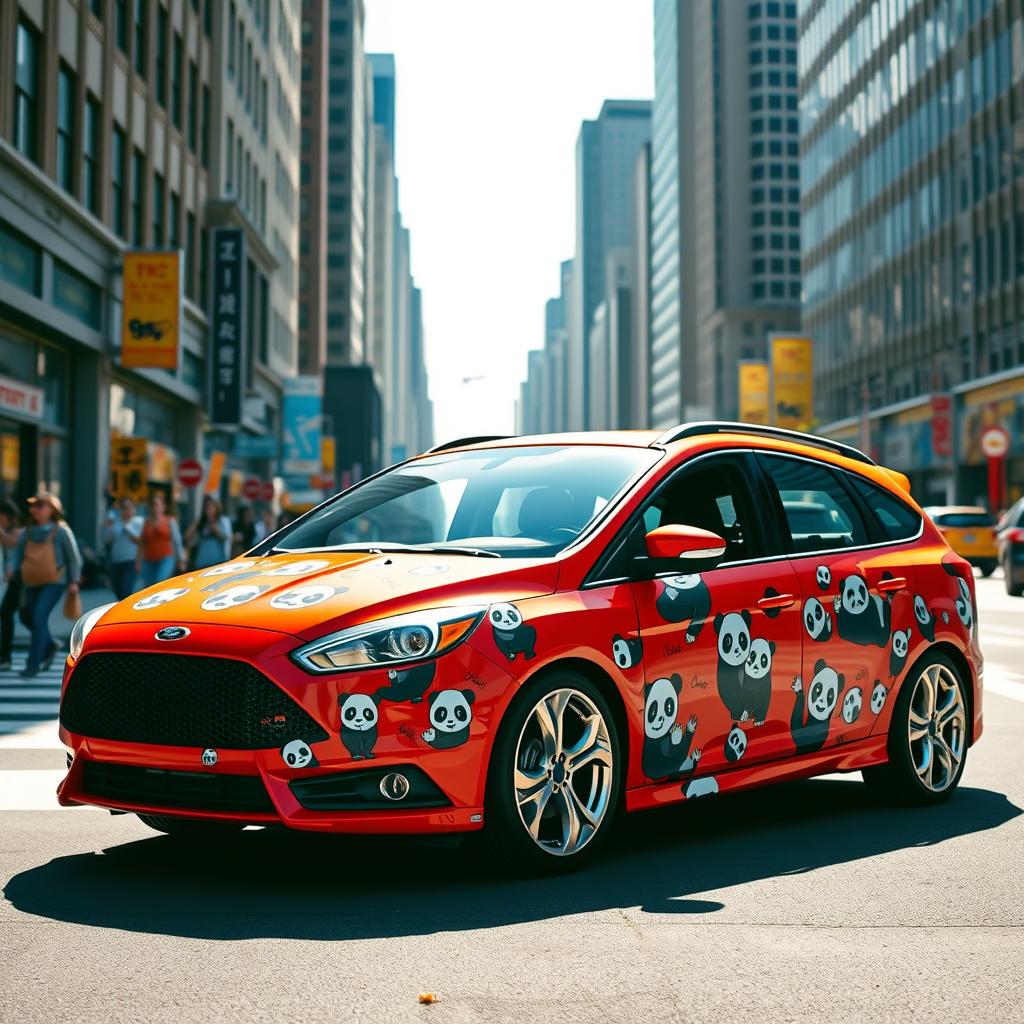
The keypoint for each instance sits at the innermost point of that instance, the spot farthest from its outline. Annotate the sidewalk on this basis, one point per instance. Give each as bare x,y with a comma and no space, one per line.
59,626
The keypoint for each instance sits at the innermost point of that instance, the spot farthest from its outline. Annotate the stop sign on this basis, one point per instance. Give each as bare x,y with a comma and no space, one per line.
252,488
190,472
268,491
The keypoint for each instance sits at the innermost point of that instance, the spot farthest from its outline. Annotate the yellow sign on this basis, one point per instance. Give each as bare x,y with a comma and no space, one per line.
792,362
128,468
754,392
10,457
327,455
151,310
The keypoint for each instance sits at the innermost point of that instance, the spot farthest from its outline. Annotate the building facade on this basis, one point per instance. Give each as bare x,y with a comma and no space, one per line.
725,198
912,166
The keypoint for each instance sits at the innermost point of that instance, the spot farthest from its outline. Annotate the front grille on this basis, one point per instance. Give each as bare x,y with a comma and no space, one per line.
180,700
158,787
360,790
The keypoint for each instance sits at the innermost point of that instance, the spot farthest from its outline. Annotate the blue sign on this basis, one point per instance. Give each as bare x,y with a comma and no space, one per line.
256,446
398,453
303,408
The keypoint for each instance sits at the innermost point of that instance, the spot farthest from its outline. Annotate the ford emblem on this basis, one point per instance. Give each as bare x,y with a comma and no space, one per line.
173,633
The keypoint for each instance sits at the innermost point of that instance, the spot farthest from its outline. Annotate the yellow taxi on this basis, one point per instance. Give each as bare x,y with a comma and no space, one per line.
970,531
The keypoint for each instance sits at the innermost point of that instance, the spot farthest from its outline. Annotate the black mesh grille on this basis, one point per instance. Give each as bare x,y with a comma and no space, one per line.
158,787
182,701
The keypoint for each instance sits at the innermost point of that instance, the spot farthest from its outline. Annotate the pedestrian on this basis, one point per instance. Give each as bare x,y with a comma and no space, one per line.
245,531
209,537
47,557
10,532
160,548
121,535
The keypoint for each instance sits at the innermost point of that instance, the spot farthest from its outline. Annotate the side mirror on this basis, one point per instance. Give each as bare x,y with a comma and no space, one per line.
679,548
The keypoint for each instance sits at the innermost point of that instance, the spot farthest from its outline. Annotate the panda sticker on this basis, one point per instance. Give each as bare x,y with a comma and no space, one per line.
735,744
862,617
817,620
511,634
757,680
297,754
812,714
733,631
771,613
898,654
226,568
160,597
450,715
627,652
685,598
297,568
232,598
925,618
707,786
666,750
303,597
964,608
358,724
878,695
852,703
407,684
823,577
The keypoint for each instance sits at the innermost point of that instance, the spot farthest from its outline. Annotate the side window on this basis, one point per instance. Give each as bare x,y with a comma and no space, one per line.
897,520
713,494
820,513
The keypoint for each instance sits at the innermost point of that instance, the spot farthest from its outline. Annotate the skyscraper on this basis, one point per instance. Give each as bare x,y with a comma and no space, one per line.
606,152
725,195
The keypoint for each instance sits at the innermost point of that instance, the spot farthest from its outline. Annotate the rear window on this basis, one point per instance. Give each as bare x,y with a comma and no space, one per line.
896,519
955,519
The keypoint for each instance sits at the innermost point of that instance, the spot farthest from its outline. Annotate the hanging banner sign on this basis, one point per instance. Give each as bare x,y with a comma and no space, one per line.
227,327
151,309
792,381
303,404
128,468
754,395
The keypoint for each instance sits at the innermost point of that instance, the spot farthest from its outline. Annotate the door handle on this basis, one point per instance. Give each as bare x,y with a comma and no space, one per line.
776,601
896,583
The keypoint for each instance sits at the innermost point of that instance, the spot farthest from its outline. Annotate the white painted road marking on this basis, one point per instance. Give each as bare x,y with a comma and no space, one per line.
31,790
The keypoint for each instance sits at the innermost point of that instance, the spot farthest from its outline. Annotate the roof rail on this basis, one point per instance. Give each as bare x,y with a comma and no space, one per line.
725,427
459,442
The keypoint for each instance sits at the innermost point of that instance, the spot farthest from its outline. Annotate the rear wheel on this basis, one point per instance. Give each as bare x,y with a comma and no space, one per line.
1013,588
927,736
987,567
555,778
191,828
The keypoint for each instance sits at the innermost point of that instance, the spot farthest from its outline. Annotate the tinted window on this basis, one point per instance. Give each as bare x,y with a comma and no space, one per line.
897,520
820,513
962,519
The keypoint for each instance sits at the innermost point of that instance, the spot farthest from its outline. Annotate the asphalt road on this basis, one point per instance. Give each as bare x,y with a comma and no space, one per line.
802,902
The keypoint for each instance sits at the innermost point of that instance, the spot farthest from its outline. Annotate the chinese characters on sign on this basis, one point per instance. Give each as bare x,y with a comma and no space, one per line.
754,387
227,350
151,310
792,382
128,468
942,426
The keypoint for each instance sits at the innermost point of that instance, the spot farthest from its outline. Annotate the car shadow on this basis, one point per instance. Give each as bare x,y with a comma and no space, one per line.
276,883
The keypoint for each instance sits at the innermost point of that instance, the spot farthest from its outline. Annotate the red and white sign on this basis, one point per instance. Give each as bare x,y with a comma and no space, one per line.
942,426
995,443
252,488
22,399
190,472
268,491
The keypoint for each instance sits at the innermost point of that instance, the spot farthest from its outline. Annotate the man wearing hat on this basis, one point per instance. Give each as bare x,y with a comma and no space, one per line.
47,557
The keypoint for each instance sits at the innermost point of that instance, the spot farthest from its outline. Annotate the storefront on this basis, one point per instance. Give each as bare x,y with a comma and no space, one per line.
998,403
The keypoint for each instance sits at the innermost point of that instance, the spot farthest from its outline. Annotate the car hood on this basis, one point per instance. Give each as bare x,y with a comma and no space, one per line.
310,593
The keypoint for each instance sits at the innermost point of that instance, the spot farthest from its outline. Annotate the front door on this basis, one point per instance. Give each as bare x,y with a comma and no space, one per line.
721,647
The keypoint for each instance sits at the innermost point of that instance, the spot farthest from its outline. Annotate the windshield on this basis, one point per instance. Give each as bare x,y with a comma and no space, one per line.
524,502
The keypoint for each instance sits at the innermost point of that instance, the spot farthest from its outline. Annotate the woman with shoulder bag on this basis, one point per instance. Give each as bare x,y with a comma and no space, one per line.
47,557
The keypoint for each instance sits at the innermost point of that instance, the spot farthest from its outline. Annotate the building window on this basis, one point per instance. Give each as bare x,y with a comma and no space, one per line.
117,151
139,41
173,216
193,105
177,65
138,174
90,155
160,63
26,92
231,38
229,169
158,211
204,136
65,128
204,266
190,255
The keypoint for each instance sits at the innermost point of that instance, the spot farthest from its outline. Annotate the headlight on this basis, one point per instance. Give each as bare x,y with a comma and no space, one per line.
82,627
391,641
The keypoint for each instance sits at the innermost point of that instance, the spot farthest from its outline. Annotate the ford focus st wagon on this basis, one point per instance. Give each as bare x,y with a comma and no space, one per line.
527,635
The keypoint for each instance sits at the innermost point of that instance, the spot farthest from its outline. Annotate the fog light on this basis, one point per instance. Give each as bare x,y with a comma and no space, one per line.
394,786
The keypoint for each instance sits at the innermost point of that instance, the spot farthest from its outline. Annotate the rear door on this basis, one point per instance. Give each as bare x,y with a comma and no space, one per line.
857,589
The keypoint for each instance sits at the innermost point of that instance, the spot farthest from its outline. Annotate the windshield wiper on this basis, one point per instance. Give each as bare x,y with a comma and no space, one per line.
393,548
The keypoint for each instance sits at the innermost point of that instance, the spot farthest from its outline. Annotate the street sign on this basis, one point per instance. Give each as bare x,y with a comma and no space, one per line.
128,468
190,472
252,488
268,491
995,443
227,327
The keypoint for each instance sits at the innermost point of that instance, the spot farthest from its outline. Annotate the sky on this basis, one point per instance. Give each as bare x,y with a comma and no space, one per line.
490,96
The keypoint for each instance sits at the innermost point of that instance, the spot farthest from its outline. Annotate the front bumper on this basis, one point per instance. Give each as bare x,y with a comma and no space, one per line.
152,778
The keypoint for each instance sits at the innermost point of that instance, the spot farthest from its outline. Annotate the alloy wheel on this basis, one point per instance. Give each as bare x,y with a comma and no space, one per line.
937,728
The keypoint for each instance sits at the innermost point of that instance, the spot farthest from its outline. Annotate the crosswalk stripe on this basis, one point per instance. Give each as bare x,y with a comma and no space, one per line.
26,704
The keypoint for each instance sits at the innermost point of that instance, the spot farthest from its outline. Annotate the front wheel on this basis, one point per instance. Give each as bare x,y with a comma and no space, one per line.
927,736
555,779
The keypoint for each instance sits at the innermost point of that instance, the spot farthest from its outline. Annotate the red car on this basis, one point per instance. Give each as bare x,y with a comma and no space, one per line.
526,635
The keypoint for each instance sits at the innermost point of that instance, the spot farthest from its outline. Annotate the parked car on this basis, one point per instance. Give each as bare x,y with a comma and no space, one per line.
1010,542
580,624
970,531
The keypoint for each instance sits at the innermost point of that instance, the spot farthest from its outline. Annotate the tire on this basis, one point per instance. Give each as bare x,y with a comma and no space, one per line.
1013,588
197,829
911,776
595,785
988,567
